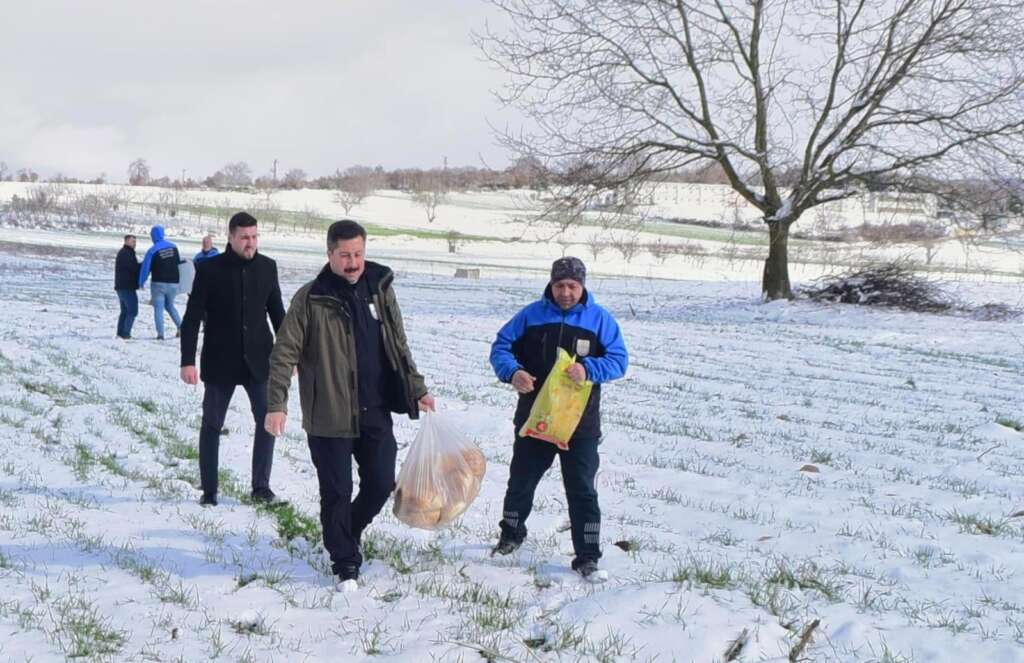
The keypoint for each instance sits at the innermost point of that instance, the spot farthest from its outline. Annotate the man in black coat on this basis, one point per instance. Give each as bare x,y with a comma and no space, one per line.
234,292
126,282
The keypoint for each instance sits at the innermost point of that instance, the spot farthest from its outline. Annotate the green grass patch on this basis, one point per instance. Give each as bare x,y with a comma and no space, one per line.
82,631
972,523
1010,423
292,524
704,572
386,548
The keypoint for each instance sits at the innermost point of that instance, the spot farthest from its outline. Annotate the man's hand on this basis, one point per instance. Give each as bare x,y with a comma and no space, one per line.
274,423
189,375
577,372
426,403
523,381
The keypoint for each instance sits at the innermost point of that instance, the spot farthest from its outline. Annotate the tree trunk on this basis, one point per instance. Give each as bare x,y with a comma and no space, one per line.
775,281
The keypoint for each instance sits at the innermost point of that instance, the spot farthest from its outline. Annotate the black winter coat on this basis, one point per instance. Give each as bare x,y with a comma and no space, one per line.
126,270
234,297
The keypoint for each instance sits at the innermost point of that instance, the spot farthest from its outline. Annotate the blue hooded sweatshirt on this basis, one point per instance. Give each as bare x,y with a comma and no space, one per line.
162,259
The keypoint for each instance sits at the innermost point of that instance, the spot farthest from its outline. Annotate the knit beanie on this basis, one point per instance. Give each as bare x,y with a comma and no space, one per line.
569,268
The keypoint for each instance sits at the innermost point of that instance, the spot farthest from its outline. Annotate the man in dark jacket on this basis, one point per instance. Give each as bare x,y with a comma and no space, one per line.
162,261
126,282
344,331
523,353
234,292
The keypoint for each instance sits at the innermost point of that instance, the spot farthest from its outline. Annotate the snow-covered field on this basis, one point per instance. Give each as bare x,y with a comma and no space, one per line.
764,466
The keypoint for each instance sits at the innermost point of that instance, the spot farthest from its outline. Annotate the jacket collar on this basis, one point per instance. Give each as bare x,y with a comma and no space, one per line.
377,278
236,260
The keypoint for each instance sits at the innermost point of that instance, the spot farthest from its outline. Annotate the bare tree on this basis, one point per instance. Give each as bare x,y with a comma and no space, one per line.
353,186
268,211
628,244
309,217
237,174
596,244
295,179
800,102
138,172
232,175
931,249
429,195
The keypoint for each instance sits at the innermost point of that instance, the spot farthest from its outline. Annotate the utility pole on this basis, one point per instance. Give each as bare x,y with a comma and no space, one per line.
275,172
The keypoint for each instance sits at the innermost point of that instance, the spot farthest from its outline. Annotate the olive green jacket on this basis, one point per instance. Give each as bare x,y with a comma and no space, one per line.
316,336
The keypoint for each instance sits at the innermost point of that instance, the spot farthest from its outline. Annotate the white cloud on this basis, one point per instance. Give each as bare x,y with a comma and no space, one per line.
193,85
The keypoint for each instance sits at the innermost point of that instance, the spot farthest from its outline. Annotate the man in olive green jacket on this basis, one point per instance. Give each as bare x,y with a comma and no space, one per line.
344,332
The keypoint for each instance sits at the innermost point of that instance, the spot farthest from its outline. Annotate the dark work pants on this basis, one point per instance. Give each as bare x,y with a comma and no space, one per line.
531,458
129,301
342,518
215,408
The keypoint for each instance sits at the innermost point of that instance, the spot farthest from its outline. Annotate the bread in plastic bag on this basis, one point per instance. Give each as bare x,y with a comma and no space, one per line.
440,477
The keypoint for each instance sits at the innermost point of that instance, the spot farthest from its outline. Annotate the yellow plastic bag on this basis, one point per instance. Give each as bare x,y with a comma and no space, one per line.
559,406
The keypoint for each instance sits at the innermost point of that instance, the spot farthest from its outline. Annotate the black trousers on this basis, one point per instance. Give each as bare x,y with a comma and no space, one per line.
531,458
215,407
343,519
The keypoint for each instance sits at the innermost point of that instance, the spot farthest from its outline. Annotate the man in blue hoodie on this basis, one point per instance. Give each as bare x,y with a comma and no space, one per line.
523,354
162,261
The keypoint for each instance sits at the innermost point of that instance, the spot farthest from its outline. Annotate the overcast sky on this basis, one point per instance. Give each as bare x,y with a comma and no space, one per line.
190,84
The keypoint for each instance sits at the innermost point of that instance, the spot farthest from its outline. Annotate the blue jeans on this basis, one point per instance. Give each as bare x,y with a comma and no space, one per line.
129,309
163,295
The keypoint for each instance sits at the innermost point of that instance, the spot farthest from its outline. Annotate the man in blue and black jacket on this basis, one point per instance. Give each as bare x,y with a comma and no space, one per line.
162,261
523,353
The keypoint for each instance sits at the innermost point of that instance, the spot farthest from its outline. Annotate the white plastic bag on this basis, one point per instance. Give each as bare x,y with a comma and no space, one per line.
440,477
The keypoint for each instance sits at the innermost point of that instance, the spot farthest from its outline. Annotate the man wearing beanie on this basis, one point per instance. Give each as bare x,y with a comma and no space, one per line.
234,292
523,354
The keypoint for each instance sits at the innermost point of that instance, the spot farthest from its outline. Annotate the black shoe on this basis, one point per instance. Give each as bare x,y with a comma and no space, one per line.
208,499
267,497
505,547
348,572
585,568
160,337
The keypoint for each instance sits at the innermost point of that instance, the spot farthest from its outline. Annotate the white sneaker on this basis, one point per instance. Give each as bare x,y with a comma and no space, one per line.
347,586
